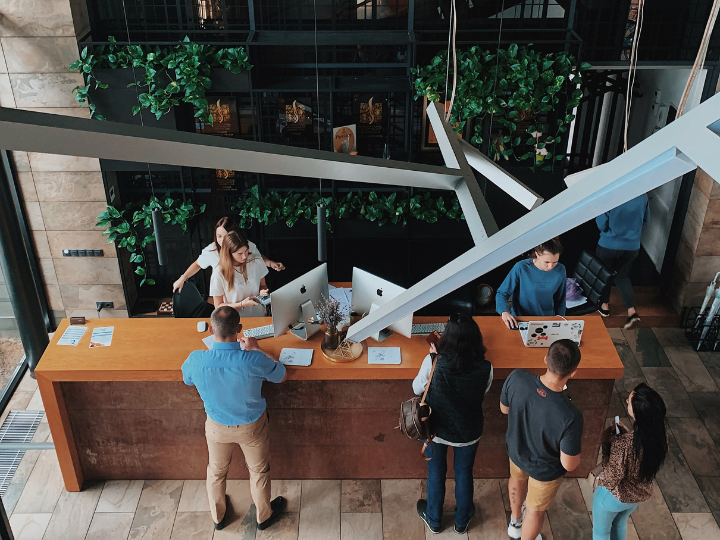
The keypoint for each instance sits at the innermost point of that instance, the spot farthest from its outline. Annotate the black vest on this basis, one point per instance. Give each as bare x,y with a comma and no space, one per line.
456,400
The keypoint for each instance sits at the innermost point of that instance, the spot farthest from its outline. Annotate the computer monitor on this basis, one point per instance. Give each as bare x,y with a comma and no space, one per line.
294,304
370,292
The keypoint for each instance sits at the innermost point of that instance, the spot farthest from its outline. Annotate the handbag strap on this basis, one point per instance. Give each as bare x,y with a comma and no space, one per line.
432,370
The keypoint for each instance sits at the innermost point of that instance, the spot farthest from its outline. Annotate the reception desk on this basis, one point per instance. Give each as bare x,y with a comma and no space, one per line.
123,412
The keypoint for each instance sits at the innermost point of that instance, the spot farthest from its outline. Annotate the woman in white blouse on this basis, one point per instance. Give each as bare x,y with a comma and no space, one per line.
239,277
210,256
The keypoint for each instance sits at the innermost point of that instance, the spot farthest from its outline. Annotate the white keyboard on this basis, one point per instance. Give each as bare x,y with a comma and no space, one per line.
261,332
428,328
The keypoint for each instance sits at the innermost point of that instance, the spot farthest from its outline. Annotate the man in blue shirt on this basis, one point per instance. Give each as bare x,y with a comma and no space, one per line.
619,246
229,380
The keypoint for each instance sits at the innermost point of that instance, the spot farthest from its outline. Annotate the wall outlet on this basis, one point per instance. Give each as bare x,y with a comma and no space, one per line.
103,305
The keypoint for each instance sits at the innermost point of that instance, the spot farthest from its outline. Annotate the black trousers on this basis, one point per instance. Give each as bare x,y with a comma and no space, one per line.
620,261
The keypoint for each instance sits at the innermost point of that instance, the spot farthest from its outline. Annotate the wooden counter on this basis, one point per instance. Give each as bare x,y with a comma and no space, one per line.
122,412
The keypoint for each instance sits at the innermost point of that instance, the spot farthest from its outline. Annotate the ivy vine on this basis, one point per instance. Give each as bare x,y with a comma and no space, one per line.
518,87
128,227
395,208
172,75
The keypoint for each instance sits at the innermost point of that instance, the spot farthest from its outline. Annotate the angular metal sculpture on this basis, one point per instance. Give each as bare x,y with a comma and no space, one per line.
692,140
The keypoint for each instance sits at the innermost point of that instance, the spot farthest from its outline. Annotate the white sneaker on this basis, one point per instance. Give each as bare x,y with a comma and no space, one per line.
515,527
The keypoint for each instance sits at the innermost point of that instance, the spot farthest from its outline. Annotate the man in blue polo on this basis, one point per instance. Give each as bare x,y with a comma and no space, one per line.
229,381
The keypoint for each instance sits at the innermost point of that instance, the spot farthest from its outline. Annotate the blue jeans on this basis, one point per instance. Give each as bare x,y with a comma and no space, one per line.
610,516
437,469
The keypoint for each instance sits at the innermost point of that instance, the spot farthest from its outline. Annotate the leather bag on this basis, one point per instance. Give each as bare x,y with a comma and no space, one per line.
415,416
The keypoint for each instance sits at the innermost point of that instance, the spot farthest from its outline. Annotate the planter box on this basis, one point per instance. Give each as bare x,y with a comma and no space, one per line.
302,229
225,81
362,228
444,228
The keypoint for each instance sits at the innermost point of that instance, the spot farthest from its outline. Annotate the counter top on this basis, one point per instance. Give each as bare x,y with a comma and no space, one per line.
155,349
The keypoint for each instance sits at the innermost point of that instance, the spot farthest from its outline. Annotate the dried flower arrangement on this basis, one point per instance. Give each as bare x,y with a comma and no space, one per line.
330,312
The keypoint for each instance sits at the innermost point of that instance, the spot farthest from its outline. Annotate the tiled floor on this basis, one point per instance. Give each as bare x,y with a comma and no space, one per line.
685,506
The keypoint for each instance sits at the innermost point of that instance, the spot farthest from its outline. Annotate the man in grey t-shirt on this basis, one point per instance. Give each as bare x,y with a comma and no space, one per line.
543,437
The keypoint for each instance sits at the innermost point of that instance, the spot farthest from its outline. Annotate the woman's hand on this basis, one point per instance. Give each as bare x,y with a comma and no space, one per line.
248,302
509,320
433,349
277,266
178,285
606,436
264,292
623,428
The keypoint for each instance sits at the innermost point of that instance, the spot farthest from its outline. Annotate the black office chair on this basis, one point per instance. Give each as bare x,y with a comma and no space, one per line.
595,280
461,300
190,304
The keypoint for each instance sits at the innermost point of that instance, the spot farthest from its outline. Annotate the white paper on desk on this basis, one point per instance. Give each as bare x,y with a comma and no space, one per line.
101,337
384,355
296,357
72,335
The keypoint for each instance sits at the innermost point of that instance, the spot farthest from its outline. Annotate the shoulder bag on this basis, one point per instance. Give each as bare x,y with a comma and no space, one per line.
415,416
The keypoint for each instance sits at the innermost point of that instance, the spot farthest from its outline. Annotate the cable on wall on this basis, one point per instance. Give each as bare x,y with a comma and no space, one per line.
632,71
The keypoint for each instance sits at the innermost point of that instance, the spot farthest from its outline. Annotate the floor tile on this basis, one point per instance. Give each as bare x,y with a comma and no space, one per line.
193,526
677,482
617,405
666,382
697,526
697,446
489,520
361,526
194,497
320,510
290,489
29,526
360,496
671,337
12,494
690,370
285,529
27,383
36,403
617,336
27,464
653,520
568,515
73,513
400,518
110,526
44,486
632,374
156,510
120,496
710,488
41,433
587,491
707,405
646,347
505,495
711,360
631,532
241,520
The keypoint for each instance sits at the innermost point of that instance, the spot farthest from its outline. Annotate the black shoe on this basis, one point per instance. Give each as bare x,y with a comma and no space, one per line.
220,526
422,512
631,320
463,530
278,505
604,312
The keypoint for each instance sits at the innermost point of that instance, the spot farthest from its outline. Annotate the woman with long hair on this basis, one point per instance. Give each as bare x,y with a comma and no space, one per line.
239,277
210,256
461,378
631,459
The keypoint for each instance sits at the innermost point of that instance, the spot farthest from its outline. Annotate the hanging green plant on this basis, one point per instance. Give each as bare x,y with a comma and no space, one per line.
394,208
126,227
171,74
519,88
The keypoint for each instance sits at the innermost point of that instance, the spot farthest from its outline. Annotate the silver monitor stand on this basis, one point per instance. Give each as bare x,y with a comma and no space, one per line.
304,329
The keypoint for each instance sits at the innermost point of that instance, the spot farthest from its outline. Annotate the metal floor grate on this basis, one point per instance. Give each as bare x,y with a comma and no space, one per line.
18,427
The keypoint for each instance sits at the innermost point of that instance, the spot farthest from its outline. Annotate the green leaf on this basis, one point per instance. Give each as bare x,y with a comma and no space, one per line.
140,271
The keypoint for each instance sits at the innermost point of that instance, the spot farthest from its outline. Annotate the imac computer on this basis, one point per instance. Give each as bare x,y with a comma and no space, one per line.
369,292
294,304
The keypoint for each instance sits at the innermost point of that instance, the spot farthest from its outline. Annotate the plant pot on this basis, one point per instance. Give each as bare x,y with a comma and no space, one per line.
331,339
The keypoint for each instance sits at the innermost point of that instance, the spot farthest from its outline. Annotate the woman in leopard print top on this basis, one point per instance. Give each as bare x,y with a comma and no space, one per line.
630,462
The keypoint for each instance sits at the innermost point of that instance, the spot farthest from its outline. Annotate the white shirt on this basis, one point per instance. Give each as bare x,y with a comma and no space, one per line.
210,258
256,270
421,380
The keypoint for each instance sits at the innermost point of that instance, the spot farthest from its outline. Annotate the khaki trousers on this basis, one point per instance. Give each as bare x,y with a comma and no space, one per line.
254,441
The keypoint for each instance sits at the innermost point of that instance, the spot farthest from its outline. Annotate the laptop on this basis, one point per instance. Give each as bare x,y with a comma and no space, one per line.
544,333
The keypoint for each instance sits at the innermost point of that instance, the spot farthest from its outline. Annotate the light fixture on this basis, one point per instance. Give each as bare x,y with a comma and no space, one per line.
322,233
157,219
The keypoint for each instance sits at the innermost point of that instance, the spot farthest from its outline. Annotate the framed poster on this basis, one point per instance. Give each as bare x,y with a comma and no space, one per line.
371,114
225,118
429,140
295,117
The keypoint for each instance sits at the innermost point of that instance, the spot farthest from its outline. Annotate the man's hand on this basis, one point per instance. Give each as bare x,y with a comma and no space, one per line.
178,285
509,320
277,266
250,343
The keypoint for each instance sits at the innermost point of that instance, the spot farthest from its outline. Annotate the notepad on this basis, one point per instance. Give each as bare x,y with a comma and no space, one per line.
384,355
296,357
102,336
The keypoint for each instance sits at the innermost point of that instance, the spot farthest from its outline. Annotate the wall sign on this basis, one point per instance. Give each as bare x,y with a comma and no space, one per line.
225,119
344,139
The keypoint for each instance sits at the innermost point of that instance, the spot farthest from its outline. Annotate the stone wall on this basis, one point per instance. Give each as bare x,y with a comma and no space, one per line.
62,194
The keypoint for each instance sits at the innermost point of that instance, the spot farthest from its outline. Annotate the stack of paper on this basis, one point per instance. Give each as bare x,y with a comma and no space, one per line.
384,355
296,357
72,335
344,297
